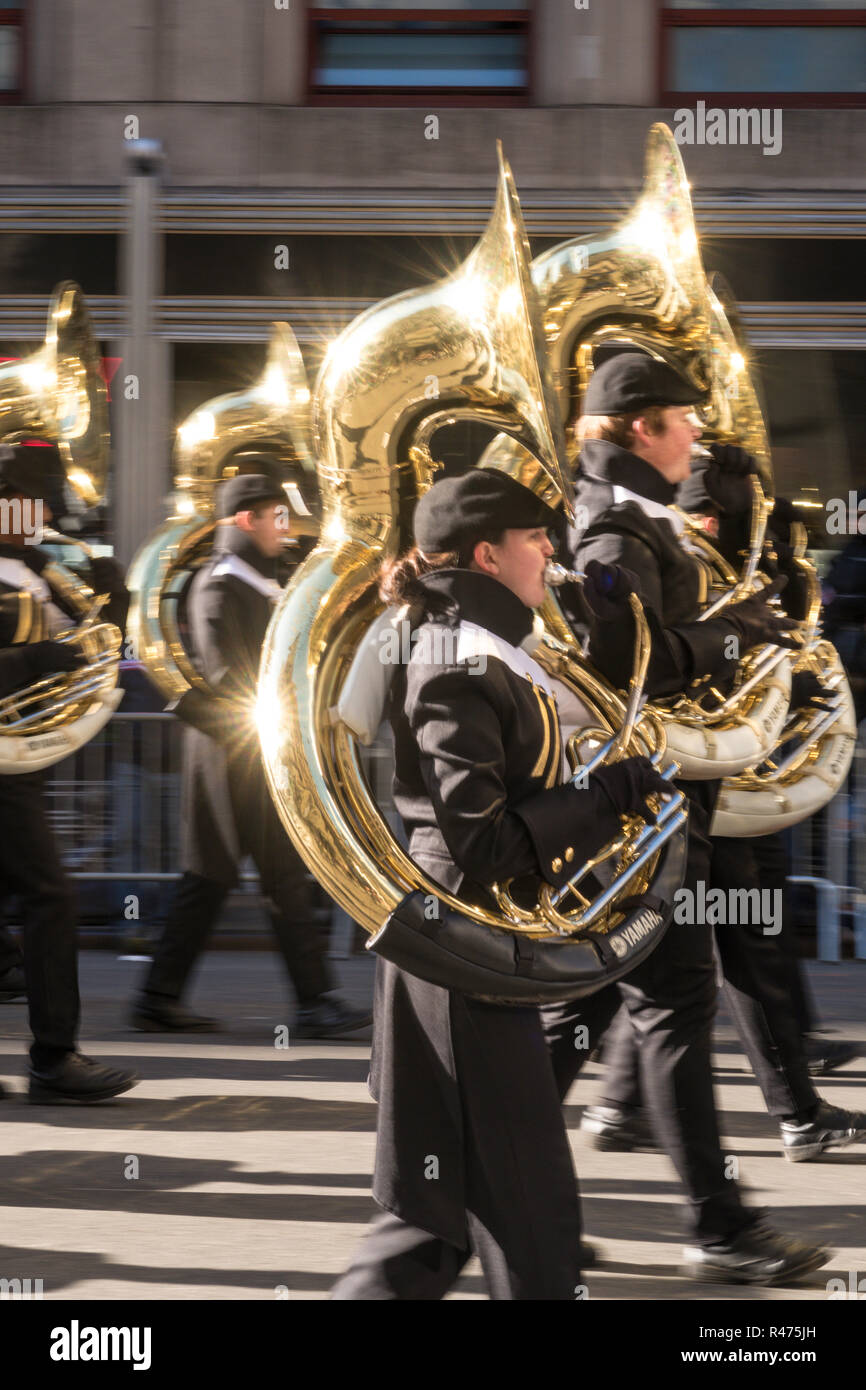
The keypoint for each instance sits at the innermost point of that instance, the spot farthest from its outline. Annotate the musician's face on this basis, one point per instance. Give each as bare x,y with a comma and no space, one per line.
518,562
267,526
669,451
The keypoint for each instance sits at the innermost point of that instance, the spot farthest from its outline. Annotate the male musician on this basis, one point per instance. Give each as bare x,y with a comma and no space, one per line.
228,811
31,612
761,981
637,434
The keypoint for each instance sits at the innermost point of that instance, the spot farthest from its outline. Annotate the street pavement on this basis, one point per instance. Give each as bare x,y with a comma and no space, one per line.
239,1168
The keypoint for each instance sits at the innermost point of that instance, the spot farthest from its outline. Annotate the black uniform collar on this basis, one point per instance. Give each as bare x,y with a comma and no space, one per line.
480,599
231,540
34,558
609,463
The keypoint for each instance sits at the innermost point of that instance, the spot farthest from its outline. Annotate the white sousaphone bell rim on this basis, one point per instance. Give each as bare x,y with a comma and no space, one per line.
35,752
741,813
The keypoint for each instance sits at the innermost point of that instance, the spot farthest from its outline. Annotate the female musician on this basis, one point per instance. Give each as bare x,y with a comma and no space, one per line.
472,1150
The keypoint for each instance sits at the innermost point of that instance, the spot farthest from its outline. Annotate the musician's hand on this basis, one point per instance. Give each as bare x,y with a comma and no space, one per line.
806,689
629,783
47,657
105,576
758,625
726,479
732,460
606,588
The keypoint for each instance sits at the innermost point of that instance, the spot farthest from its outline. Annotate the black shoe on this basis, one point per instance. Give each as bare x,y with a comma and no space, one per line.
588,1255
12,985
613,1129
757,1255
151,1015
821,1055
78,1080
829,1128
328,1017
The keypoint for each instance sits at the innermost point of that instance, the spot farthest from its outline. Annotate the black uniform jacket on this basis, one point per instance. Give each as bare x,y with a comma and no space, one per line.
479,787
625,500
228,610
32,611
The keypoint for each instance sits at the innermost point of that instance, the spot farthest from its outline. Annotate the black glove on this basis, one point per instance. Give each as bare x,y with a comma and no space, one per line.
806,689
46,657
728,478
732,461
756,624
606,588
629,783
105,575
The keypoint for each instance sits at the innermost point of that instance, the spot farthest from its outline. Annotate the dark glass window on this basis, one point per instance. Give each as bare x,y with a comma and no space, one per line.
34,262
11,52
768,60
372,267
799,54
413,54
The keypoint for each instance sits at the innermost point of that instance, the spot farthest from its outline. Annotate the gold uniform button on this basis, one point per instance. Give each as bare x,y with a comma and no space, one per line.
569,855
556,865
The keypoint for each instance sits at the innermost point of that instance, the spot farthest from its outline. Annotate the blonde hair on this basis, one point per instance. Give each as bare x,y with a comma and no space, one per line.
619,429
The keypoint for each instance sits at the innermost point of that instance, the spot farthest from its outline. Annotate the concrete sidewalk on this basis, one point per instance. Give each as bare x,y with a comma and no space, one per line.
253,1160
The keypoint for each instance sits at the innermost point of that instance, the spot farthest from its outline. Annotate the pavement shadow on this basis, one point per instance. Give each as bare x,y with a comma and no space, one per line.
62,1269
214,1112
94,1181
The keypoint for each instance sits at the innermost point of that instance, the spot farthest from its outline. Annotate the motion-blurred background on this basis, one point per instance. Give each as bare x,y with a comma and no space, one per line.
312,159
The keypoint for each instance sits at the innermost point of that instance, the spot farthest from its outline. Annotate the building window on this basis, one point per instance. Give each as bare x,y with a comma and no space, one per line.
790,54
477,56
11,53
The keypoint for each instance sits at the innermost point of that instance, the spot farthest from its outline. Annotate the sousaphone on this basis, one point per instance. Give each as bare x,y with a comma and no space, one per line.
272,416
59,394
467,347
643,284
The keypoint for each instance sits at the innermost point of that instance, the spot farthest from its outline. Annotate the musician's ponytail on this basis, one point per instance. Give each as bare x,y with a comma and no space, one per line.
399,578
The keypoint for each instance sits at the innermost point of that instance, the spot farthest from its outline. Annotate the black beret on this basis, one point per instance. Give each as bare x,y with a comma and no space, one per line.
35,470
244,491
457,511
631,381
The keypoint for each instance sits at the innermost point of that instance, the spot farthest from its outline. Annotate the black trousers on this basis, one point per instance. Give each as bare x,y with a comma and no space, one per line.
669,1003
196,907
522,1204
758,975
30,867
773,865
11,955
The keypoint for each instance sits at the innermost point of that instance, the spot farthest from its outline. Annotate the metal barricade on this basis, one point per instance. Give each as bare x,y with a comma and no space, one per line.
828,854
115,807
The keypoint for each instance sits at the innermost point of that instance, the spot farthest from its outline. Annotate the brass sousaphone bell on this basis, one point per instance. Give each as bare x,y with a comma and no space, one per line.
467,347
643,284
272,416
58,393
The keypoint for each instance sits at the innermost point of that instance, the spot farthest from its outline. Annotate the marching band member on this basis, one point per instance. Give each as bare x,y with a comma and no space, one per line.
757,970
30,865
637,433
472,1151
228,808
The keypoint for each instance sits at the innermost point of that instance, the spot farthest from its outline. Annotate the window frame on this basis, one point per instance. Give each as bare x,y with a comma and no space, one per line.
456,19
16,19
670,19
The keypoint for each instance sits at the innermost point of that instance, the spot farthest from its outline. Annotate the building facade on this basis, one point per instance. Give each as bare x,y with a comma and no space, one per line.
318,159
